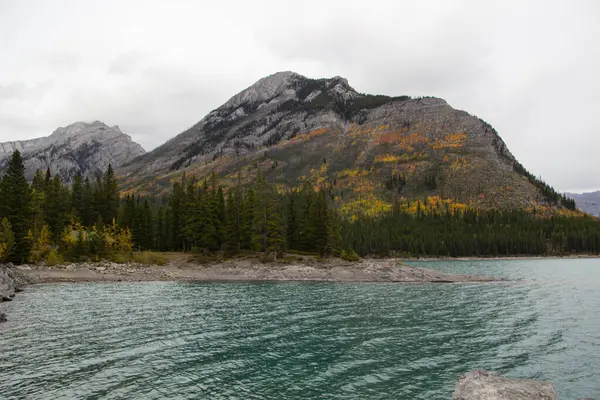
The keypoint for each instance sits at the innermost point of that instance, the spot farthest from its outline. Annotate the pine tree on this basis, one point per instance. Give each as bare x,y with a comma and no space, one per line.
193,215
334,237
219,218
88,212
47,179
110,196
208,212
57,202
77,198
306,211
161,234
232,223
320,222
38,182
259,220
176,216
275,243
246,218
38,199
292,223
148,220
16,200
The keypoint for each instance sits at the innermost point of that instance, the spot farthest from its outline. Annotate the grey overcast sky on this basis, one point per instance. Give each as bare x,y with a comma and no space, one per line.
530,68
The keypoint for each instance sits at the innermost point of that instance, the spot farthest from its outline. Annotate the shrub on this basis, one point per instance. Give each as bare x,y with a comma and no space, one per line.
149,257
119,258
53,258
349,255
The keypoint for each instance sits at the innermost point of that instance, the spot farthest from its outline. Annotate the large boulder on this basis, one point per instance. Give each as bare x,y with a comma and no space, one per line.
7,284
481,385
19,279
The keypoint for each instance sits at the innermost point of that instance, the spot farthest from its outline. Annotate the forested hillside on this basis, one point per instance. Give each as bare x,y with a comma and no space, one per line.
48,220
369,150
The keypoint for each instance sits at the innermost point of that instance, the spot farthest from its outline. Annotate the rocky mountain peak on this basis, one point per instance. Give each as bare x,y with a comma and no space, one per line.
263,90
84,148
297,129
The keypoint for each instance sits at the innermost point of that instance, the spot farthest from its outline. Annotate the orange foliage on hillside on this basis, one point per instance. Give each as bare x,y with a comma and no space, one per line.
351,173
433,204
387,158
405,142
364,186
450,141
368,205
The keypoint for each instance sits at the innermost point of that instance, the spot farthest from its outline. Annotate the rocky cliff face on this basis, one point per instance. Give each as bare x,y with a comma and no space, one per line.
587,202
296,129
80,148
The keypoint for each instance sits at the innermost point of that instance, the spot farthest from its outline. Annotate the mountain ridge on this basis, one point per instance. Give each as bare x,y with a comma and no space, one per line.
588,202
81,148
289,127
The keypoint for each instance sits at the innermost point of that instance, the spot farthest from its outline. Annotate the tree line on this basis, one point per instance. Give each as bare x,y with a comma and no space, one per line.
47,219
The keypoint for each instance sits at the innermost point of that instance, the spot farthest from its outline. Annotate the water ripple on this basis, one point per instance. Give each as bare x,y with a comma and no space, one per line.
304,341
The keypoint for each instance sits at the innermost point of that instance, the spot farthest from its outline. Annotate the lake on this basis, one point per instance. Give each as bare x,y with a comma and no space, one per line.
305,340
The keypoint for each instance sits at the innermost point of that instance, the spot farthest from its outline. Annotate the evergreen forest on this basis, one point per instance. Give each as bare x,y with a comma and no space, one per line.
47,220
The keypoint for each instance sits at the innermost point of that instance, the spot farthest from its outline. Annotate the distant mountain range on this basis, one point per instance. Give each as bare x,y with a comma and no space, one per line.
367,149
587,202
80,148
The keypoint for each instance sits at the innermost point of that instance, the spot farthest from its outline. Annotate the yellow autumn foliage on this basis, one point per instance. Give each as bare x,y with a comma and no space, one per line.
387,158
40,244
450,141
368,205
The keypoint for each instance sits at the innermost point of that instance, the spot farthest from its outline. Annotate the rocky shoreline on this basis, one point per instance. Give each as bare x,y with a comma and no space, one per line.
12,281
247,270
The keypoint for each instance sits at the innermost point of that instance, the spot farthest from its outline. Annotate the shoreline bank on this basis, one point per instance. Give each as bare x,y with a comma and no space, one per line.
390,270
504,258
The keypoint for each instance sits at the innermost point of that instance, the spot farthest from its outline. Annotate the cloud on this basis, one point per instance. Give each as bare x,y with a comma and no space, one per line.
156,68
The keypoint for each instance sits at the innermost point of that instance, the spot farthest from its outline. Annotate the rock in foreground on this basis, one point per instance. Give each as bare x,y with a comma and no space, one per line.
481,385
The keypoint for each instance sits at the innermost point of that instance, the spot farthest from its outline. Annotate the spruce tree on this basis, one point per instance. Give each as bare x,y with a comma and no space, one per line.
246,218
57,203
36,208
232,223
87,216
148,220
16,199
176,216
208,211
275,242
110,196
160,230
320,222
77,198
292,223
193,215
219,218
259,220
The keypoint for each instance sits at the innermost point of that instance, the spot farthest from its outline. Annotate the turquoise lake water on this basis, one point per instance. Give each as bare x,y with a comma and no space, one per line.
305,340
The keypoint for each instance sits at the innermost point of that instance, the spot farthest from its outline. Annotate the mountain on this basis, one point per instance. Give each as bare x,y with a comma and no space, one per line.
369,149
587,202
80,148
